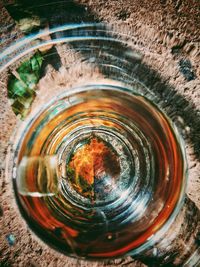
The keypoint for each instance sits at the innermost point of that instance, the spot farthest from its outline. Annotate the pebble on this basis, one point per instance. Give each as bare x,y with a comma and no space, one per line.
185,68
11,239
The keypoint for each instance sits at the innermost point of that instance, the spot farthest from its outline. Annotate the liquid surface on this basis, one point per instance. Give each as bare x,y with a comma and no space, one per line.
99,172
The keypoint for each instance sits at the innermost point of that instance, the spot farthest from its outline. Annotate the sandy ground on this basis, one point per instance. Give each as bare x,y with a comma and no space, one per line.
166,32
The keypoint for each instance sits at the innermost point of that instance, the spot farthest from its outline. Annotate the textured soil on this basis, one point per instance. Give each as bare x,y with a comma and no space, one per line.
167,34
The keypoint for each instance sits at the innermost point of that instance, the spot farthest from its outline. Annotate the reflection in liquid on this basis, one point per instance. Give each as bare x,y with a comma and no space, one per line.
113,170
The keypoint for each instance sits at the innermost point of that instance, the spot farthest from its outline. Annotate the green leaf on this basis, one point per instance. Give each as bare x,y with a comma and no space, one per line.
30,79
20,88
29,23
19,108
36,61
16,88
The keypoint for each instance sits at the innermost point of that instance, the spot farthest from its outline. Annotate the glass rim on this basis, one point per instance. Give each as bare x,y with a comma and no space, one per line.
23,126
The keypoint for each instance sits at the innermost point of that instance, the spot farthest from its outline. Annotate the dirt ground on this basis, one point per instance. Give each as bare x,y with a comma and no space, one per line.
167,34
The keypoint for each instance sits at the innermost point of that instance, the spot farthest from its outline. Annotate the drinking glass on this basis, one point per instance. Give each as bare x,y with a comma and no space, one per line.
98,166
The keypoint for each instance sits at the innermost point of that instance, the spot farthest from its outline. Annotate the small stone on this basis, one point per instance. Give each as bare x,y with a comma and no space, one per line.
187,130
185,68
123,15
11,239
39,251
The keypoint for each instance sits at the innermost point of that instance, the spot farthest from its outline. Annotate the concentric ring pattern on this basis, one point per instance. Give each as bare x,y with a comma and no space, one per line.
99,171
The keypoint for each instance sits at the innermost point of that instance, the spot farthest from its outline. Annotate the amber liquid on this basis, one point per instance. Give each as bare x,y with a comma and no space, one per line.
102,172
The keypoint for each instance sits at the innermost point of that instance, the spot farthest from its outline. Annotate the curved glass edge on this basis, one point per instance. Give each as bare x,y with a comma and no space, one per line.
22,127
194,260
27,44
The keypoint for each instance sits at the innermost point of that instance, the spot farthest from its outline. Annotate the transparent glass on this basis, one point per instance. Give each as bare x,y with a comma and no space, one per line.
101,180
99,171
